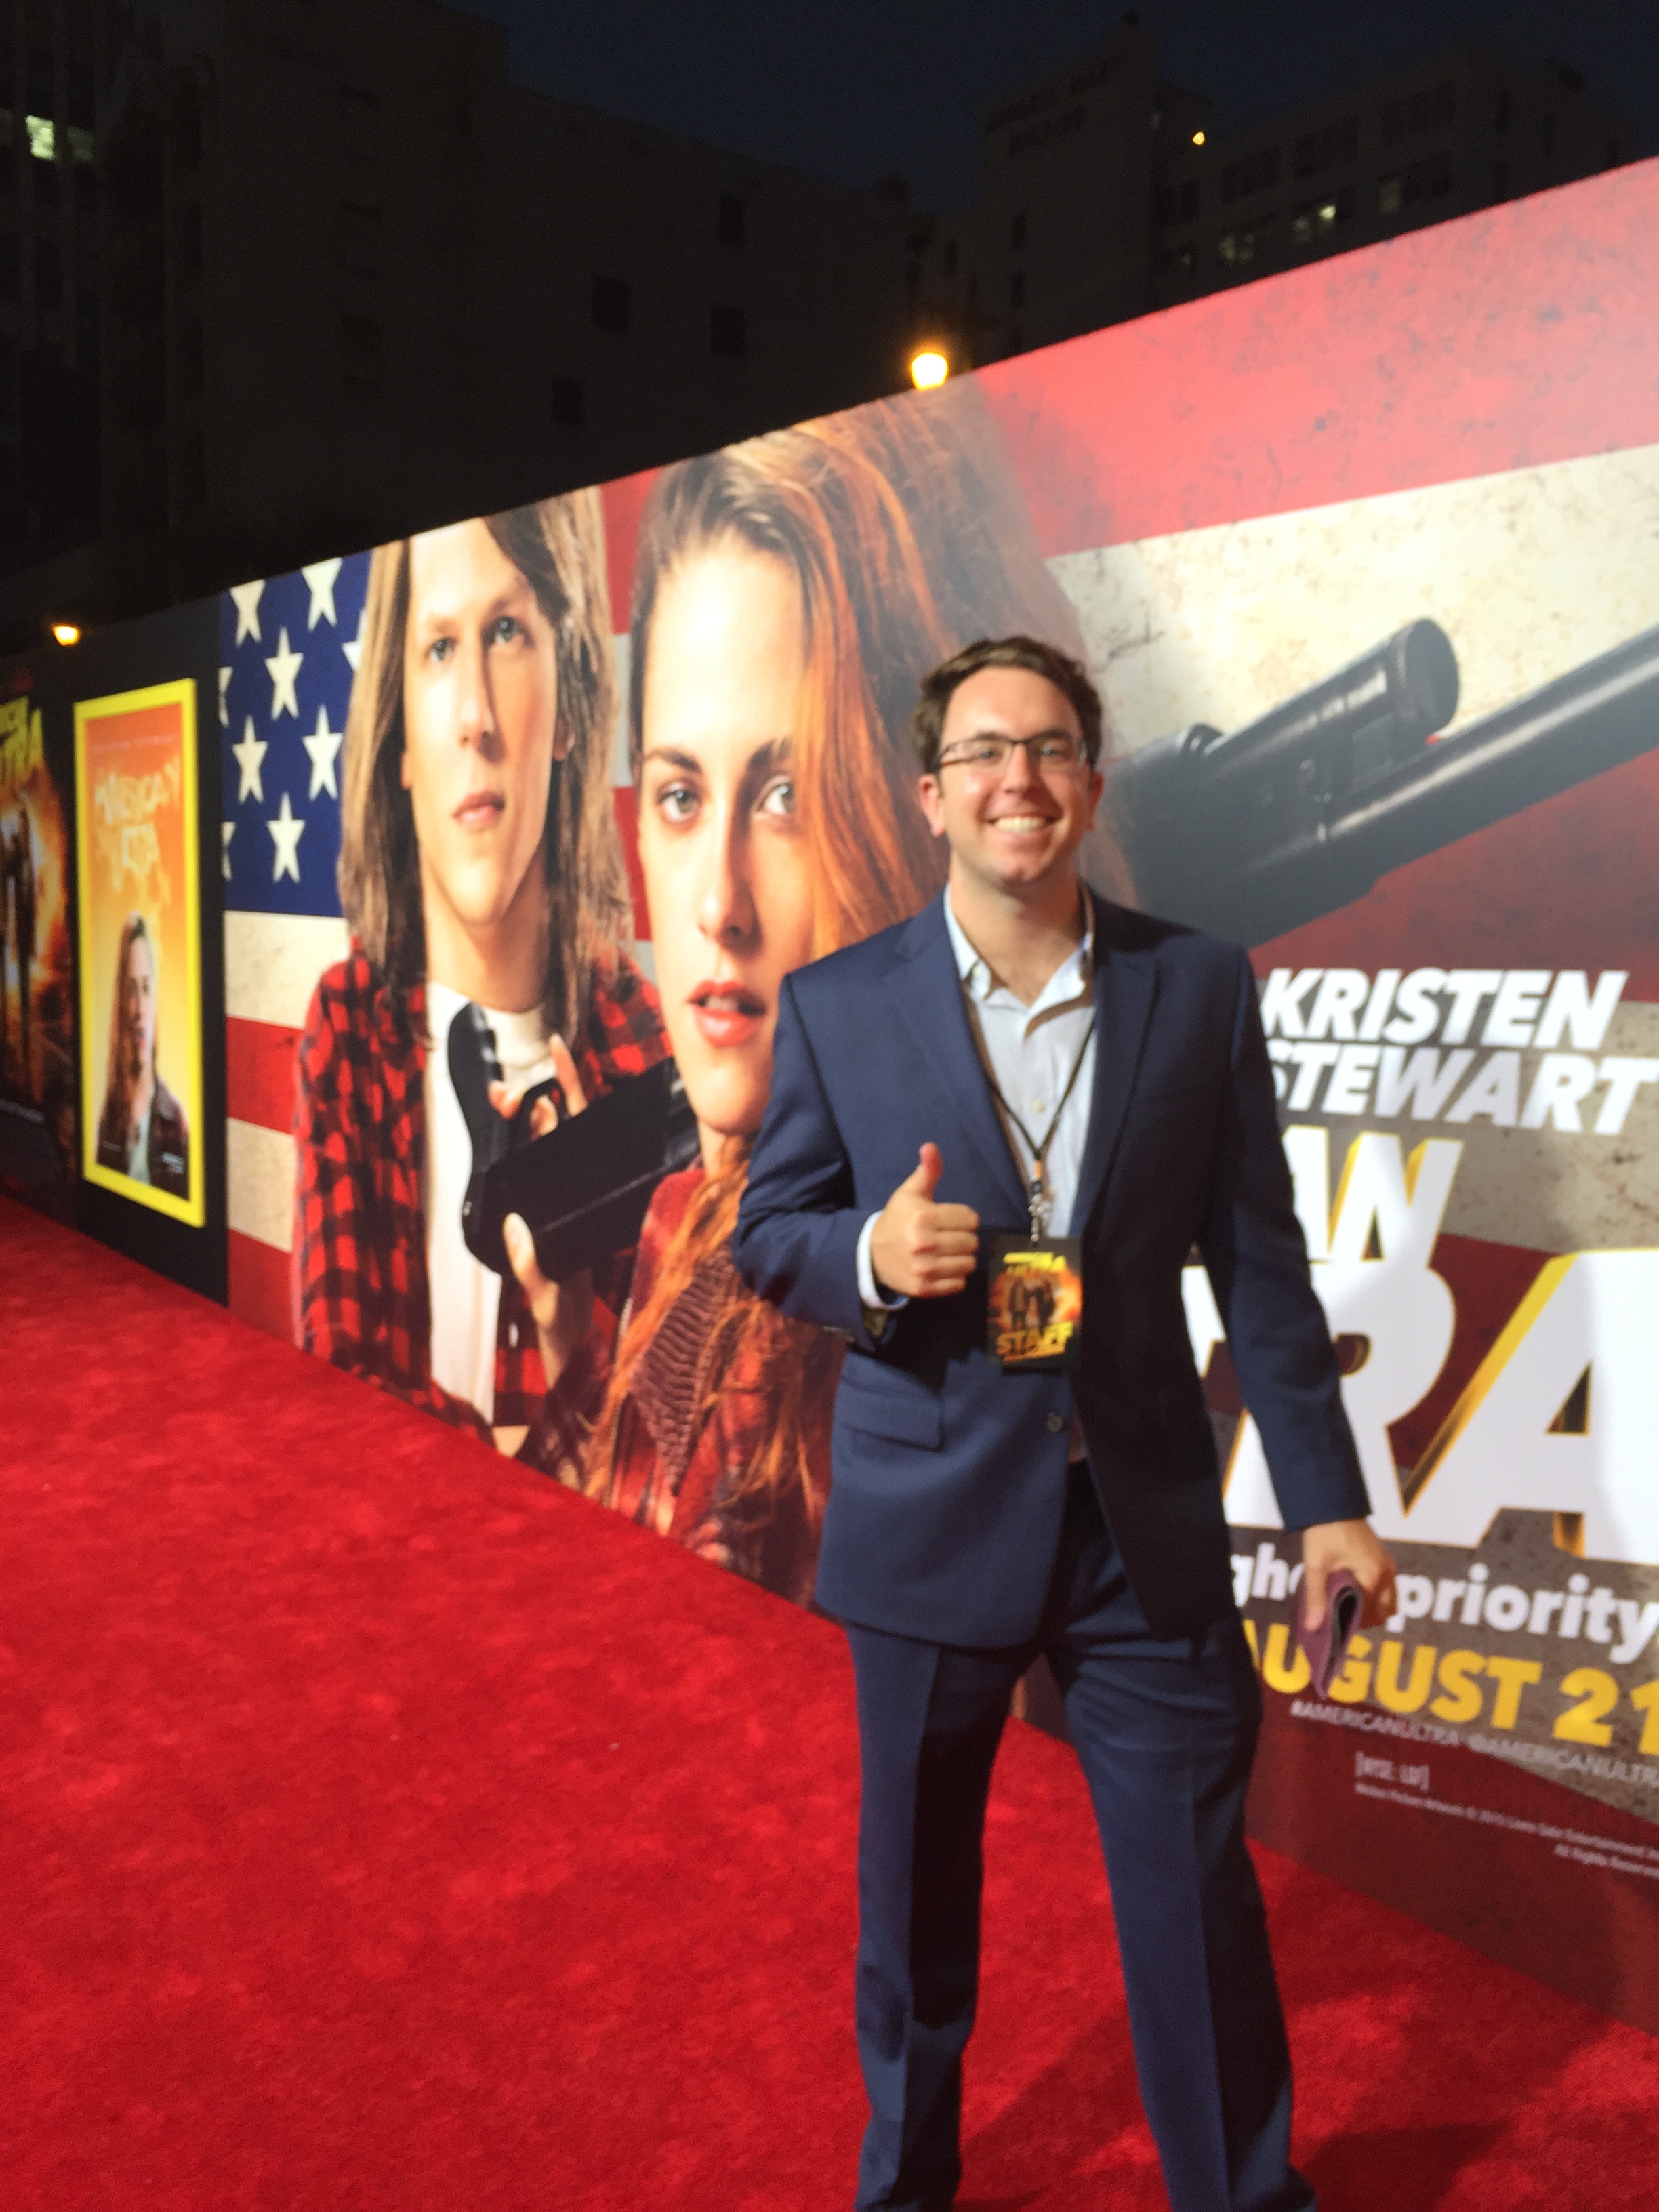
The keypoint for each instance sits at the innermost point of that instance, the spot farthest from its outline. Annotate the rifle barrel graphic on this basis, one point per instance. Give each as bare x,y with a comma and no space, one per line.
1252,833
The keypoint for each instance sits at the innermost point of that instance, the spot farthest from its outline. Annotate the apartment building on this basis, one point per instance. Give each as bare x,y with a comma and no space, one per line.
1107,190
55,62
1462,130
356,280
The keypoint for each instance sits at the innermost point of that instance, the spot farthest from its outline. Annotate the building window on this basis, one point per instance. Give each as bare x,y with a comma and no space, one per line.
611,304
569,401
728,331
1251,173
1425,110
189,245
732,219
361,340
192,473
360,127
1317,150
359,231
191,357
1017,231
1317,219
1017,288
1430,178
361,349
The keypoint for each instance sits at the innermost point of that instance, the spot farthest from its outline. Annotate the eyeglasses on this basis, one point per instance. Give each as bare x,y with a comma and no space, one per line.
1054,749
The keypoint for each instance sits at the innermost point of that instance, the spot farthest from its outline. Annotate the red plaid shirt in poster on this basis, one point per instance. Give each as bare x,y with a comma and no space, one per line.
360,1280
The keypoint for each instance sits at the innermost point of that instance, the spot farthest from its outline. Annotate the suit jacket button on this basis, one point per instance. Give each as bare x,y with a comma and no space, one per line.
1055,1423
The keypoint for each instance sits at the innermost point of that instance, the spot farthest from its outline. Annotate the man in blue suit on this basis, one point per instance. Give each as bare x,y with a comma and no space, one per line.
1023,1046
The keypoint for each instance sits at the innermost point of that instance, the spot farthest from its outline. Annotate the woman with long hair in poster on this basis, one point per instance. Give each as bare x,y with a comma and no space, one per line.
789,593
142,1132
479,862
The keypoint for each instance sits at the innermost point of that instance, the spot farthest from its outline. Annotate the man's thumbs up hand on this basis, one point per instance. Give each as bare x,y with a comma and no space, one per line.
919,1249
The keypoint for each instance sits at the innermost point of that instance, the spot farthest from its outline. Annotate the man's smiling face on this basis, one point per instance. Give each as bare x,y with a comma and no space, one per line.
1014,826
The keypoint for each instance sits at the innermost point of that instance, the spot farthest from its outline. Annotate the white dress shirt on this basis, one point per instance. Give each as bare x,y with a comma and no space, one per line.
465,1295
1032,1050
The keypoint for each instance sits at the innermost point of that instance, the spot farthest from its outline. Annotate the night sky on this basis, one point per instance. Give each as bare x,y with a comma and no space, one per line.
864,89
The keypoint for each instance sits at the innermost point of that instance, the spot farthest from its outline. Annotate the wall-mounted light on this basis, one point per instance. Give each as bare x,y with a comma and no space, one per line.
1198,138
928,367
67,633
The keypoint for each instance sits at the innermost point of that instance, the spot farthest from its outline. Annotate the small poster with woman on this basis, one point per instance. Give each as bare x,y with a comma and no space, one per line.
140,1011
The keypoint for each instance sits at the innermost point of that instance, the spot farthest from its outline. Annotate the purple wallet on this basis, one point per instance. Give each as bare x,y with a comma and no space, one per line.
1325,1645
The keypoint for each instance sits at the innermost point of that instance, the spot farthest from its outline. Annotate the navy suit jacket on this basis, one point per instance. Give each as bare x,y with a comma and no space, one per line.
948,1476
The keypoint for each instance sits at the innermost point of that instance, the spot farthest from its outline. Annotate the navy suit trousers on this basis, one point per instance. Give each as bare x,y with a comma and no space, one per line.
1165,1731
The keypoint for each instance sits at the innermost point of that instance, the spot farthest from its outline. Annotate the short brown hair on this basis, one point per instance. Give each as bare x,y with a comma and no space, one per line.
1067,675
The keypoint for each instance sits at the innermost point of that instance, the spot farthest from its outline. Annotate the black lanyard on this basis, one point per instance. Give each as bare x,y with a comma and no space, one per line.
1040,1203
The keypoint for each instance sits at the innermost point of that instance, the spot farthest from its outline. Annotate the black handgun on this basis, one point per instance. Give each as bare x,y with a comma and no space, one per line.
584,1187
1300,812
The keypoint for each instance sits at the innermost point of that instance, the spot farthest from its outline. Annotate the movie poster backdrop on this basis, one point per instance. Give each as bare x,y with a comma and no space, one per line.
37,994
1366,564
140,999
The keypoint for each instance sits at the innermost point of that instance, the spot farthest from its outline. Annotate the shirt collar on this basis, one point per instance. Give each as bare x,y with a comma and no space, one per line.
1070,980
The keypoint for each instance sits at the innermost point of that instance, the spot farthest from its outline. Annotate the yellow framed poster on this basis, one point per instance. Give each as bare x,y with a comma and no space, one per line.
141,982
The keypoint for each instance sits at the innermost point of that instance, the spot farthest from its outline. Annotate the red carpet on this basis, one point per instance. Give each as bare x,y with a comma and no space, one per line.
384,1828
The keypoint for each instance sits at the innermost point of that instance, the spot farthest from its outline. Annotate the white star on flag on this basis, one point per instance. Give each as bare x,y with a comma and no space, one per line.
248,756
228,831
322,745
224,685
353,650
321,577
247,597
285,836
284,667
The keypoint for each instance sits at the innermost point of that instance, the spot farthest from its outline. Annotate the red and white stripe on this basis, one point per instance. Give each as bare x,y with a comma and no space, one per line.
272,962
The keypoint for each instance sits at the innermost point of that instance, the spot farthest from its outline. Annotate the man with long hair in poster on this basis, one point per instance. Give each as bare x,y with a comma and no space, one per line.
143,1131
479,865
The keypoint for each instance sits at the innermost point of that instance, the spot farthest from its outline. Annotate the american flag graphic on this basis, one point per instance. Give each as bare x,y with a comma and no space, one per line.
288,651
288,654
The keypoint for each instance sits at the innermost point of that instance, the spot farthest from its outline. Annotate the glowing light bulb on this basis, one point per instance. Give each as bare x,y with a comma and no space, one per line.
1198,138
67,633
928,367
